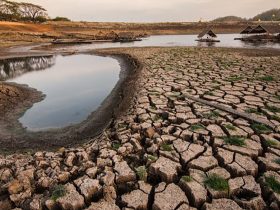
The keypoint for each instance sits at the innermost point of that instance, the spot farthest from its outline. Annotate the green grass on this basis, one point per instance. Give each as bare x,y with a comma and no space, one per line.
258,69
157,117
187,178
216,87
116,146
260,128
273,109
267,78
253,111
195,127
270,143
277,97
230,127
235,140
142,173
216,182
152,158
215,81
273,184
277,161
211,115
234,78
274,117
167,147
209,93
58,192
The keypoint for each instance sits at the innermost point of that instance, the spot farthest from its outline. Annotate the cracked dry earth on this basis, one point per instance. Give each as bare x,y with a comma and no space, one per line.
169,151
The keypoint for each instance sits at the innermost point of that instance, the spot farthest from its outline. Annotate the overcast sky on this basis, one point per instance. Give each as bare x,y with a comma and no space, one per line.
153,10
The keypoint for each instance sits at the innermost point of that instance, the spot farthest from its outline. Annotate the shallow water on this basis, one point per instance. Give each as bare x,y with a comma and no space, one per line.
227,40
74,87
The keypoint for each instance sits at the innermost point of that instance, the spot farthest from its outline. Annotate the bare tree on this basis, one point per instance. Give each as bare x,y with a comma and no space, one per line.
31,11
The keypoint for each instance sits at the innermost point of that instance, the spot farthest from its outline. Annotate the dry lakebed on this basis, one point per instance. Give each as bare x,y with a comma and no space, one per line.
192,128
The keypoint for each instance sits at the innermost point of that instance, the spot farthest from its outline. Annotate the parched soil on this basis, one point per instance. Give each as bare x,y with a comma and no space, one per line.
190,138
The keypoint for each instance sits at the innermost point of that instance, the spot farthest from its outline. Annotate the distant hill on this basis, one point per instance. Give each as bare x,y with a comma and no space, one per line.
229,19
273,14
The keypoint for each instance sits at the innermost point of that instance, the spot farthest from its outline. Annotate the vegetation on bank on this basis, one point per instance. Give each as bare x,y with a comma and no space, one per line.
21,11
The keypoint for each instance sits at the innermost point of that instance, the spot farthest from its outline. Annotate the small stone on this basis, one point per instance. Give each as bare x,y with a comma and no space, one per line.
88,187
124,173
166,169
169,198
221,204
72,199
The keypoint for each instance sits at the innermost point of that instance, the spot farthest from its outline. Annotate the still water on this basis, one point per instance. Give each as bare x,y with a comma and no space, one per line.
74,87
227,40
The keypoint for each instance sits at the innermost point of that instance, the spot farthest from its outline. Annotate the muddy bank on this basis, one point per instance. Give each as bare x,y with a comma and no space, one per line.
14,137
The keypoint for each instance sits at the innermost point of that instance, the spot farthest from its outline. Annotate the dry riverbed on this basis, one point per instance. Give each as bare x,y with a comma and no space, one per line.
202,132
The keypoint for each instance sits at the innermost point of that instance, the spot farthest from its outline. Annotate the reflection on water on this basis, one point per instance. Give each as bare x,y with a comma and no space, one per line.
14,67
74,87
227,40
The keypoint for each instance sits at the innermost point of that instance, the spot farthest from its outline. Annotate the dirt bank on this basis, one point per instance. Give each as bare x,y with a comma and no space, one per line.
14,137
25,33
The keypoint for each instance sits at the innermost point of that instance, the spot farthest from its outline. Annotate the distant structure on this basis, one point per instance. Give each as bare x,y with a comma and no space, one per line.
247,30
207,36
259,30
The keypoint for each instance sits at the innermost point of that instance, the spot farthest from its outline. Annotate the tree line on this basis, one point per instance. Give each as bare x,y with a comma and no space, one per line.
21,11
15,11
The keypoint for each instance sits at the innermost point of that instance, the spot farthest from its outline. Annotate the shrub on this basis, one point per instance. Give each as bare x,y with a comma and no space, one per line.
216,182
234,140
59,191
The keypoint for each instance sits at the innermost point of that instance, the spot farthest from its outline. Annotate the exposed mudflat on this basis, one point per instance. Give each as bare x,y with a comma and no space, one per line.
17,99
199,130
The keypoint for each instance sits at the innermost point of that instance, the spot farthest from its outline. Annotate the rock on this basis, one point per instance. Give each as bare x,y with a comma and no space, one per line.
124,173
185,206
72,200
136,199
165,199
268,162
166,169
203,163
15,187
69,160
64,177
103,205
36,203
245,183
220,171
220,204
150,132
51,204
216,130
196,192
188,151
5,174
88,187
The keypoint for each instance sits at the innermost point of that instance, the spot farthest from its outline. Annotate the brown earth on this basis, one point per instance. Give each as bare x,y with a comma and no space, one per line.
168,143
23,33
